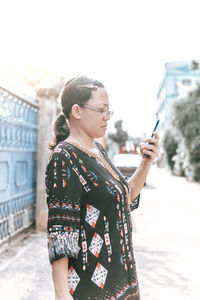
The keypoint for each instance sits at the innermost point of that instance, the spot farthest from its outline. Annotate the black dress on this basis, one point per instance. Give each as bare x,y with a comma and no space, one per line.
89,221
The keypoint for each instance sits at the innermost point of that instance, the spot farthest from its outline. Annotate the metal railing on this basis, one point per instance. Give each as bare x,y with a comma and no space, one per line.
18,161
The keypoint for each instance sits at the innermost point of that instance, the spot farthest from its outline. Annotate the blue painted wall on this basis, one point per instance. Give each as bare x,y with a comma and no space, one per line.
18,161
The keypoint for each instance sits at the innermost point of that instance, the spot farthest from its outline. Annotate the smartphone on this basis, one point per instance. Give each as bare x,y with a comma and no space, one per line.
156,126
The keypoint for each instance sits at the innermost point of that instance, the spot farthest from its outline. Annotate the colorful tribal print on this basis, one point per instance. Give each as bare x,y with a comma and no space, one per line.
89,222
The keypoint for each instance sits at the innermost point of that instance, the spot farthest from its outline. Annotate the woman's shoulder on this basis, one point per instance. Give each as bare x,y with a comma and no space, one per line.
65,147
62,151
62,156
99,145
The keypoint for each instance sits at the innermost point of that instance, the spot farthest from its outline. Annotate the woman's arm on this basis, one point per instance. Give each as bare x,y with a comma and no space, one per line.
60,278
137,180
64,194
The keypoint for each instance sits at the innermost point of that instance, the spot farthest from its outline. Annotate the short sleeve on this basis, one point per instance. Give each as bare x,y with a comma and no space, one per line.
64,193
135,203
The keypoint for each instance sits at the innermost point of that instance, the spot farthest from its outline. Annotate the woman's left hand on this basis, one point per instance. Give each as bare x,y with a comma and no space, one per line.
151,150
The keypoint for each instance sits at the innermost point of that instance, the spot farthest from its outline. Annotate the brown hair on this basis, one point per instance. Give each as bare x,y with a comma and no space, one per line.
77,90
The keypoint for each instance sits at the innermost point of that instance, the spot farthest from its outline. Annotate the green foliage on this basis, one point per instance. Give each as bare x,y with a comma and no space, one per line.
120,136
170,145
197,173
194,65
187,120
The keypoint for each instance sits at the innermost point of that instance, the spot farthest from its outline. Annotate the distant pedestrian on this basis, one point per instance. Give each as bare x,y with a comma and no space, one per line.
89,201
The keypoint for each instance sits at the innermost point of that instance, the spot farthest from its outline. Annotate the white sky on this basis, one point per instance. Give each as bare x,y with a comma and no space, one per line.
124,44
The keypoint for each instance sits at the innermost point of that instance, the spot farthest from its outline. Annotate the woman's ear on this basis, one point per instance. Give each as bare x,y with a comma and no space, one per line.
76,111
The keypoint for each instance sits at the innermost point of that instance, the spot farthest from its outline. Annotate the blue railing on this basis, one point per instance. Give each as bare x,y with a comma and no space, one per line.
18,161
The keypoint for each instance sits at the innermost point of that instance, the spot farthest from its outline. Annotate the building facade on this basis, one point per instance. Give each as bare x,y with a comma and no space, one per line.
179,79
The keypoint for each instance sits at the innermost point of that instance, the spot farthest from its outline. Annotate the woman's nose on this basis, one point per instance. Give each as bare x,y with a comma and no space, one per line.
107,117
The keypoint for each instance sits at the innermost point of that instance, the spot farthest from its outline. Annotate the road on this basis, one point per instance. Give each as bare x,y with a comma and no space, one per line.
166,240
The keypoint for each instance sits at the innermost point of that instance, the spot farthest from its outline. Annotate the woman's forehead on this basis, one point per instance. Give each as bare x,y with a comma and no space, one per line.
99,96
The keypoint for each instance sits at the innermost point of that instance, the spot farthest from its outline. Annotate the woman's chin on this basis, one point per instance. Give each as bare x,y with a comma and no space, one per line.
100,135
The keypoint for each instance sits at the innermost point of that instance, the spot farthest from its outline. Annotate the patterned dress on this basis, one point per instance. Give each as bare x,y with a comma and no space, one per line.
89,222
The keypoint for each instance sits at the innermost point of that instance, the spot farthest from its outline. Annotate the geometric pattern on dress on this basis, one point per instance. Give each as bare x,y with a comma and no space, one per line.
96,244
99,275
94,175
92,215
117,224
107,238
73,279
109,188
84,248
121,259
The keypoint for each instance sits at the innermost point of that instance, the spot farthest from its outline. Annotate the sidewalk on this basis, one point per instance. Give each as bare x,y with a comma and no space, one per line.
167,238
166,242
25,272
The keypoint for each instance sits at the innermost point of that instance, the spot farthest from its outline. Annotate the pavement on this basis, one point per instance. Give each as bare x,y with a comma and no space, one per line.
166,240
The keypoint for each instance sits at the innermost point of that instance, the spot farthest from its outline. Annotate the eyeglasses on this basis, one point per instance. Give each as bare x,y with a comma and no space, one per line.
104,111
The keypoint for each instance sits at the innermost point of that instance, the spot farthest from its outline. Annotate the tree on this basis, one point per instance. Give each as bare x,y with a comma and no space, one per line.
120,136
187,121
194,65
170,145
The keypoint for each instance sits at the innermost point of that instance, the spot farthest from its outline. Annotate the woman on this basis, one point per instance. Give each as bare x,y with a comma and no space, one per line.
89,225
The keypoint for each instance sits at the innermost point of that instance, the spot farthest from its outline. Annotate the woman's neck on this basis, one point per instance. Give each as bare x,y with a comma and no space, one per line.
85,142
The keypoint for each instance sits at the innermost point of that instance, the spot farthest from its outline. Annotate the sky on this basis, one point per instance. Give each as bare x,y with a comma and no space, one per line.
125,44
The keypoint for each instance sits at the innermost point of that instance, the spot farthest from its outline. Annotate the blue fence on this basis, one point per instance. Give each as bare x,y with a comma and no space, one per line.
18,161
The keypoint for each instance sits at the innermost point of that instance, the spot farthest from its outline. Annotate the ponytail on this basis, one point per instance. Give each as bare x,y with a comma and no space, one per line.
61,131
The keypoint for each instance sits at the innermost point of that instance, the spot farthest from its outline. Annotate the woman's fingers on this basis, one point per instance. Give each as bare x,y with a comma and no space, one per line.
151,146
152,141
156,136
150,153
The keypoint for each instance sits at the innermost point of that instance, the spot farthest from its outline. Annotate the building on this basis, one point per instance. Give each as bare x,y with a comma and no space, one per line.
179,79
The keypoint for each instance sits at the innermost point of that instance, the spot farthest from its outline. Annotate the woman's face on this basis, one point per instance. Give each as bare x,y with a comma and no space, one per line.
92,122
